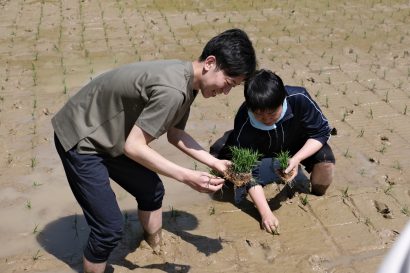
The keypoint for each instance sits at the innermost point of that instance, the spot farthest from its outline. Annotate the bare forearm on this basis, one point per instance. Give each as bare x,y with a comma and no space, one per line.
311,146
259,199
269,222
152,160
189,146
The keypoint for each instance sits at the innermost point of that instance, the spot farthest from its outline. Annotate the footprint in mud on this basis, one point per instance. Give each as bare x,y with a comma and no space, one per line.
318,263
388,236
169,246
266,251
383,209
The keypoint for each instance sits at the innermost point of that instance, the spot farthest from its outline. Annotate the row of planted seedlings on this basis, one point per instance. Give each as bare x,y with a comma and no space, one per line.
5,81
34,113
127,27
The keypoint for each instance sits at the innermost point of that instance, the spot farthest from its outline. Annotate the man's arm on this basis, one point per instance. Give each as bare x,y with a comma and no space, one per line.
136,147
189,146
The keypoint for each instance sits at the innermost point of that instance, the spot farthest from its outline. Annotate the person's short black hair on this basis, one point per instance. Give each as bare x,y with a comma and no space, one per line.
233,51
264,91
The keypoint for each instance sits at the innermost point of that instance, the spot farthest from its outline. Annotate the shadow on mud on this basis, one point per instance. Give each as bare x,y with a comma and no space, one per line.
66,237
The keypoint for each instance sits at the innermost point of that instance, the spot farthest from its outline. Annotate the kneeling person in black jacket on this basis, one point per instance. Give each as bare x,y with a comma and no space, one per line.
277,118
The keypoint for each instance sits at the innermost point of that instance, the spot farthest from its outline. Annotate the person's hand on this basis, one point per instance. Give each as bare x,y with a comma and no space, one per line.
203,182
221,166
293,164
270,223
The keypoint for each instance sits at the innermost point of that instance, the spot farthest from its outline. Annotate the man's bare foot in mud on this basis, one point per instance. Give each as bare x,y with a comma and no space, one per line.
154,240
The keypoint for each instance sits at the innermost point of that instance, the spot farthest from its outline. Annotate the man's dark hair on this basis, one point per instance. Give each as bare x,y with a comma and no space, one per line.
264,91
233,51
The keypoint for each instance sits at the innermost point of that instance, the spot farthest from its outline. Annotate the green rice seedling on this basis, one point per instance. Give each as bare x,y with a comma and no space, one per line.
347,153
367,221
214,130
9,158
65,89
36,184
243,161
211,210
388,190
323,54
362,172
397,165
345,114
382,149
304,200
174,213
345,192
370,49
34,71
386,97
371,113
405,210
361,133
283,158
405,110
35,229
33,162
28,204
37,255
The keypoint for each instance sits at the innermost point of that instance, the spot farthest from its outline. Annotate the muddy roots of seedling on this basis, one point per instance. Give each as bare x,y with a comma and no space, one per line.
238,179
285,177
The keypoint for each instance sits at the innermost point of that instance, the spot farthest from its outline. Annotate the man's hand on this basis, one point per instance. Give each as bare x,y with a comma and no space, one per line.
203,182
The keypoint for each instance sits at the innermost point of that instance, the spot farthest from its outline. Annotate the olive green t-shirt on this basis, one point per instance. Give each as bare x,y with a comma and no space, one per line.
154,95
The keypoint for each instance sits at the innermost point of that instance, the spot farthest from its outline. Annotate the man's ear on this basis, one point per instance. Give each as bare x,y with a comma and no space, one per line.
209,63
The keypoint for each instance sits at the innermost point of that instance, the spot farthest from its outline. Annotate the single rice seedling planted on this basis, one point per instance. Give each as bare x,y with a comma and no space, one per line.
304,200
37,255
405,210
345,192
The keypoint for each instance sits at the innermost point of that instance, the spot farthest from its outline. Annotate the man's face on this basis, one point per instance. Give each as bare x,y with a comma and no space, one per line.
268,117
215,81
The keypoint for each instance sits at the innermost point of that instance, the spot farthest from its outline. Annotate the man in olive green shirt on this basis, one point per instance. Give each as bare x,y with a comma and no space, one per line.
105,129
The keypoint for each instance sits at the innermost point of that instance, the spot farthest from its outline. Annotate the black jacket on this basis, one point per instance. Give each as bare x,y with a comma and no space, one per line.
303,120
